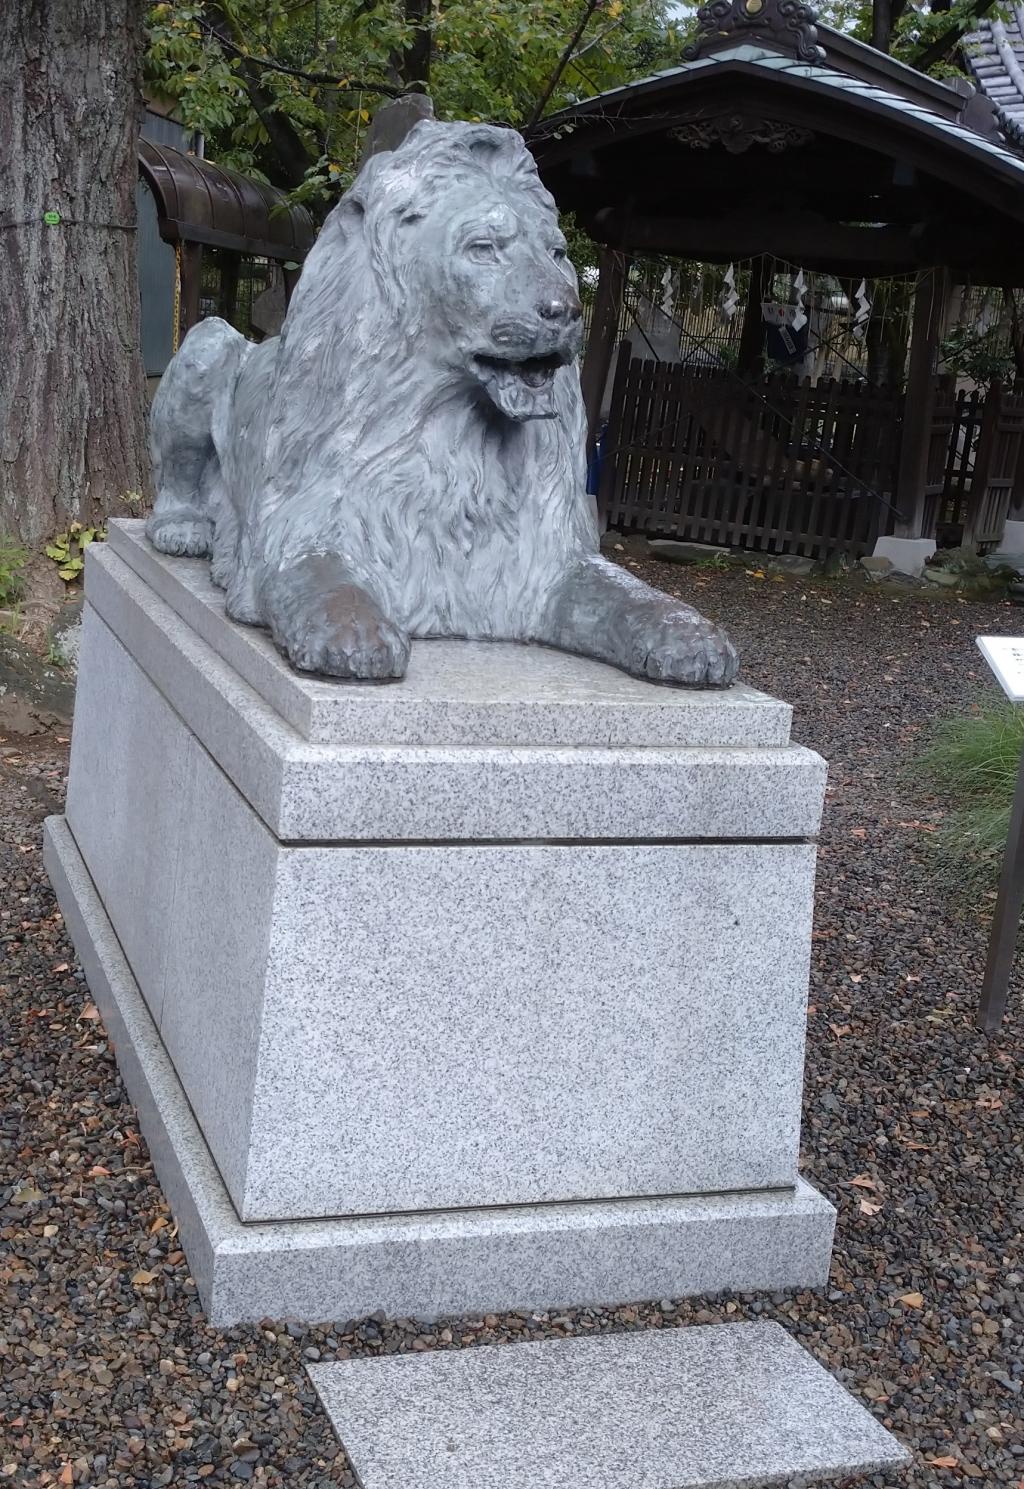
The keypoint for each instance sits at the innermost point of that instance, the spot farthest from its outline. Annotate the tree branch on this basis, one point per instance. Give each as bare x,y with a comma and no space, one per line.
940,48
563,61
267,64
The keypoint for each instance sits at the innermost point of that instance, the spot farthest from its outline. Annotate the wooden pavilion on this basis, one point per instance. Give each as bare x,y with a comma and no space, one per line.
777,139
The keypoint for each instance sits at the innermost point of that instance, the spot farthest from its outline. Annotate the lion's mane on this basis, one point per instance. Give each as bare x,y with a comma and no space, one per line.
337,443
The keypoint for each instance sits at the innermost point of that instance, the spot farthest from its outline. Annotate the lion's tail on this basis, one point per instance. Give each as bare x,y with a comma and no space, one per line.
186,468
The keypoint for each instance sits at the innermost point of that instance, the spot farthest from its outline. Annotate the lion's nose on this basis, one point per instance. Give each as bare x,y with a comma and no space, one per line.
564,308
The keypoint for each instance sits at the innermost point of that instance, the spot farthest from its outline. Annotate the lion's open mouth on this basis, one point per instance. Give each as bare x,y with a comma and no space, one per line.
521,389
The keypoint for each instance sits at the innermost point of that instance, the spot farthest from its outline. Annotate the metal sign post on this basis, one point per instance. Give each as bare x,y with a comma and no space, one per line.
1005,655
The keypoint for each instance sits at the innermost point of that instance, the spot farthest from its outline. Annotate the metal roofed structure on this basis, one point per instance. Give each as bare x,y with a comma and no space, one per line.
200,202
776,138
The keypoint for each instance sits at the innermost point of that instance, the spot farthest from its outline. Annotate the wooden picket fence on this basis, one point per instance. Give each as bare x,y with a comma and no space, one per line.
783,466
780,465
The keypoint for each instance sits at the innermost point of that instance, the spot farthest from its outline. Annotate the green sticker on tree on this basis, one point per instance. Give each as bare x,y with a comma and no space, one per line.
51,218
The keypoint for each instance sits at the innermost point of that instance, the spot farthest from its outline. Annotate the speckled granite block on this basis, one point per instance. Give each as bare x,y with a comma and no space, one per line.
560,987
696,1408
482,1034
593,1021
428,1265
458,692
342,792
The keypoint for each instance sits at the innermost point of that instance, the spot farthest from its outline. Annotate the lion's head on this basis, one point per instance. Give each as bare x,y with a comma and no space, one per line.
450,247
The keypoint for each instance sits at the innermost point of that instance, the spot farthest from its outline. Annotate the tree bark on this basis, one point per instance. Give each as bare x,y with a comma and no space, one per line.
72,389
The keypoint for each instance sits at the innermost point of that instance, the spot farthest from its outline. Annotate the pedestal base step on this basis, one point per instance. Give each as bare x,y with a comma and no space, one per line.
720,1406
427,1264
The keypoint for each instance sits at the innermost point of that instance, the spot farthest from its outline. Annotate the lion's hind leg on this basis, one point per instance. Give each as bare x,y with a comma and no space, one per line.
186,467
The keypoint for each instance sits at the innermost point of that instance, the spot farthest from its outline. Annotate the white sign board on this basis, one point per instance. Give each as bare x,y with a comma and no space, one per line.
1005,655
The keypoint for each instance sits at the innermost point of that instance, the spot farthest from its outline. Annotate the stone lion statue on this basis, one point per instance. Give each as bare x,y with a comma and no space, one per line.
407,458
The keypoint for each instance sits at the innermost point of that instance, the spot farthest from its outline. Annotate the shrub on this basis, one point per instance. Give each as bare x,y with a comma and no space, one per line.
973,761
12,563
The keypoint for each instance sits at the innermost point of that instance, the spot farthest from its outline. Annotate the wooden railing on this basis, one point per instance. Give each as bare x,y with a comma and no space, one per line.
778,465
783,466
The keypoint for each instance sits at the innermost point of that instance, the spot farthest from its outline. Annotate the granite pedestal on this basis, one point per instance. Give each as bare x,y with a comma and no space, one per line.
482,989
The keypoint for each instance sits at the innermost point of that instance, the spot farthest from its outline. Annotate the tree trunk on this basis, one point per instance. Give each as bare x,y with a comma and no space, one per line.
72,391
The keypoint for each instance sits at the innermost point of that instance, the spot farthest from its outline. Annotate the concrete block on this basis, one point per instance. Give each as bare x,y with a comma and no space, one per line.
427,1265
457,692
307,791
694,1408
365,1028
907,555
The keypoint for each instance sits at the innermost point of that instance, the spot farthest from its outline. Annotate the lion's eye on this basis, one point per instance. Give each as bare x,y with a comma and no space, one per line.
484,250
558,254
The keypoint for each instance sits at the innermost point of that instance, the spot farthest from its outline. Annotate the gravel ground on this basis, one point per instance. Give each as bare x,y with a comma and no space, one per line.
109,1374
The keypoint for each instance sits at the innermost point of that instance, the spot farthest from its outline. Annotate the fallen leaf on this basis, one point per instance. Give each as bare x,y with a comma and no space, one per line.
989,1103
158,1225
863,1181
142,1279
858,832
839,1030
856,976
28,1194
61,967
911,1300
867,1208
49,1231
67,1475
97,1172
91,1012
946,1460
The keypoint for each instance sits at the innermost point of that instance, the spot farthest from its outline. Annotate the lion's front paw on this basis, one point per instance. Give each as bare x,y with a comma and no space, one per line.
694,653
354,645
183,535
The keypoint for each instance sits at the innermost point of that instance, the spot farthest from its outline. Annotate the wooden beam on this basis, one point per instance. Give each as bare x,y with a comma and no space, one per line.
928,321
800,238
604,331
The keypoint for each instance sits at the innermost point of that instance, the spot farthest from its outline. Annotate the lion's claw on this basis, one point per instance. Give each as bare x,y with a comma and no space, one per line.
362,647
693,656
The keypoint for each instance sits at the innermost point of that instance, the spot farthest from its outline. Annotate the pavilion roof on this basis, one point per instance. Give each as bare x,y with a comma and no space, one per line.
994,55
792,140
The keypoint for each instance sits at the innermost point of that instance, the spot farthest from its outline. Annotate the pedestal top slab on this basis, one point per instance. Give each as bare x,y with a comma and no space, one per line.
718,1407
460,692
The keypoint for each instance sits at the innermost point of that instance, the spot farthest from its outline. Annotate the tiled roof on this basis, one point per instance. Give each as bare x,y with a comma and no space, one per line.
995,56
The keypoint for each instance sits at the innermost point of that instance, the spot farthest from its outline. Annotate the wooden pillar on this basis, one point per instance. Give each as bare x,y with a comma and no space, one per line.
604,331
748,363
927,325
191,273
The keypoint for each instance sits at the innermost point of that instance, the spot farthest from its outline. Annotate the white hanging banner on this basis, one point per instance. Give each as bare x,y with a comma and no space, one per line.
799,313
863,315
668,292
730,298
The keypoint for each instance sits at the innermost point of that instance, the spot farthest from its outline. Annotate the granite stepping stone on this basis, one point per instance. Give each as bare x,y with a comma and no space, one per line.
720,1406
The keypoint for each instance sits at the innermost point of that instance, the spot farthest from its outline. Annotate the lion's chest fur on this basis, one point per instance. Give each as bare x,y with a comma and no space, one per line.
461,527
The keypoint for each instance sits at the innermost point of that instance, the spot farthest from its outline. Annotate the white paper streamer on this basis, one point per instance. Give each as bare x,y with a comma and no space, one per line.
860,320
668,292
799,313
730,299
